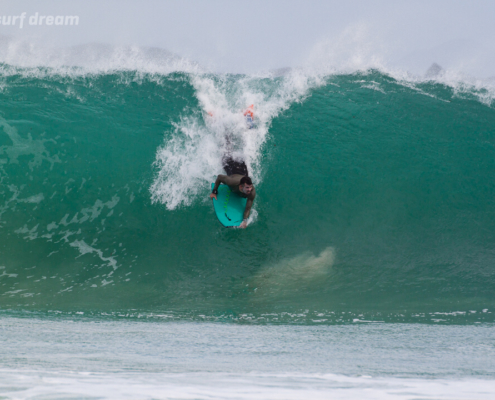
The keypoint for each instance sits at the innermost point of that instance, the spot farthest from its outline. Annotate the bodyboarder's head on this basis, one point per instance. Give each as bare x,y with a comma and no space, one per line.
246,185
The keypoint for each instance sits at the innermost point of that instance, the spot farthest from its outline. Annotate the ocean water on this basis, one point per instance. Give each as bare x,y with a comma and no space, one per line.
95,358
366,271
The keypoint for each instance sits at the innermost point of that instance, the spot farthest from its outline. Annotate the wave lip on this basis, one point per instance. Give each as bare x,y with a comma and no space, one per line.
22,56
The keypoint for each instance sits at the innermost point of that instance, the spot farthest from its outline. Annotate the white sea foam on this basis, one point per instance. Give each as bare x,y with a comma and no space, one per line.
117,358
191,157
21,56
359,48
39,384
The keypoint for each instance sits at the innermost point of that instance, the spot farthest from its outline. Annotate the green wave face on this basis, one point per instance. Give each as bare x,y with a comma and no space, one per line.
375,197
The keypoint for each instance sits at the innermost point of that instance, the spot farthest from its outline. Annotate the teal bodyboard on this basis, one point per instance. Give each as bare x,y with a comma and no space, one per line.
229,206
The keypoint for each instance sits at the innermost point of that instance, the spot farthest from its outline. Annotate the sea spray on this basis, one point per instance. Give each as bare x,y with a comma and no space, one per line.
191,157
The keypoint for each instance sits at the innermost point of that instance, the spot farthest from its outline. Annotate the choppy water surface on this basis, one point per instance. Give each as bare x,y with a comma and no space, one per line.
78,357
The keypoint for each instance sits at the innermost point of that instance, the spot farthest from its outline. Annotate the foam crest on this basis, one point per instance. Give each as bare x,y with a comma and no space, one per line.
20,56
357,48
360,49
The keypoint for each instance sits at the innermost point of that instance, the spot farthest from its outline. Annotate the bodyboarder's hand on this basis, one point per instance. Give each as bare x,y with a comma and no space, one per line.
243,225
213,196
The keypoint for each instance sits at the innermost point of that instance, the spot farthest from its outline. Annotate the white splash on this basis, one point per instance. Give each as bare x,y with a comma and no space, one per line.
190,158
361,48
22,56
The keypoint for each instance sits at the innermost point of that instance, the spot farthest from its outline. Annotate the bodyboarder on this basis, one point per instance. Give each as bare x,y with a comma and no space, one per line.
239,182
237,178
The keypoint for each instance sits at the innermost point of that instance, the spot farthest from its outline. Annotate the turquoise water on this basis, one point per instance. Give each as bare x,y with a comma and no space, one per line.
375,197
366,270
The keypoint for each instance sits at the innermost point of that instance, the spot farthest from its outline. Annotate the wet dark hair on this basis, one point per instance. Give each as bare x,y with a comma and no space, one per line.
246,179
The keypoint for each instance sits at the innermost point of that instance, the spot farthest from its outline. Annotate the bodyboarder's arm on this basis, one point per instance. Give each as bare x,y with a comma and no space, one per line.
226,180
247,210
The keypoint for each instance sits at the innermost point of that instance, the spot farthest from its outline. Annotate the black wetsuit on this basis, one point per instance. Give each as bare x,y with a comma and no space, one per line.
233,167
